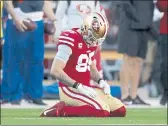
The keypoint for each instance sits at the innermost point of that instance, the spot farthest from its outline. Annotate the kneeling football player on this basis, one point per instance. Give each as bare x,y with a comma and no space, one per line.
74,69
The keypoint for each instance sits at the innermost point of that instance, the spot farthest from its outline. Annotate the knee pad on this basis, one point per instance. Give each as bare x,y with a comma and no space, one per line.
120,112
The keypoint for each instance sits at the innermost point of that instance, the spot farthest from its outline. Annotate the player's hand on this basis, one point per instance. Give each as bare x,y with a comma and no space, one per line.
88,91
20,25
105,86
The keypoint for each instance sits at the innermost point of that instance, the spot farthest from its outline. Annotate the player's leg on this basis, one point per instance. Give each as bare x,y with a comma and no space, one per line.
76,99
77,105
117,108
81,105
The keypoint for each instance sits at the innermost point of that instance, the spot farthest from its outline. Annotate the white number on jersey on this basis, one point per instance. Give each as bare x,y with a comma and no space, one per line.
84,62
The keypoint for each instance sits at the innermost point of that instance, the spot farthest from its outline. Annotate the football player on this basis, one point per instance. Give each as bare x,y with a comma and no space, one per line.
74,69
67,10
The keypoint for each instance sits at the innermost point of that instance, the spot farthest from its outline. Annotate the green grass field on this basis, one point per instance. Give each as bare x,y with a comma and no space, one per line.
134,116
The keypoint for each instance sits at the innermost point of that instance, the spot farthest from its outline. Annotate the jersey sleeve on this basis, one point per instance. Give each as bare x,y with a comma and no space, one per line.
63,53
67,38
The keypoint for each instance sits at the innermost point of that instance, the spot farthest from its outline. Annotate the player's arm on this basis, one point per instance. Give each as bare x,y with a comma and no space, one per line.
94,73
97,78
60,60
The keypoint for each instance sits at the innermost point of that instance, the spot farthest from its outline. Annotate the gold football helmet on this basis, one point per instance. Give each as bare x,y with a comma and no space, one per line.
94,29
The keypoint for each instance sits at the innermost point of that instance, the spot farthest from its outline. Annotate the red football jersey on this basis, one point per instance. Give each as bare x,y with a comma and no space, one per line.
97,58
78,65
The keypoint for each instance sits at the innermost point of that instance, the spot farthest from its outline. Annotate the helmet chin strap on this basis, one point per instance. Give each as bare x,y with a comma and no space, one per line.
88,37
91,43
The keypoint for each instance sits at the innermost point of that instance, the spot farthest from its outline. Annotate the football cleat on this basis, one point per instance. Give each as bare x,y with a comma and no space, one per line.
54,111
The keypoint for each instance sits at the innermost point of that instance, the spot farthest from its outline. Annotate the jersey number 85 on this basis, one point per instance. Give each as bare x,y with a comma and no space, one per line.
84,62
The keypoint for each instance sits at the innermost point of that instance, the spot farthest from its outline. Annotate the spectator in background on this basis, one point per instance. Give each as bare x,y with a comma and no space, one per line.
24,52
163,7
151,73
1,37
3,28
135,22
1,34
69,13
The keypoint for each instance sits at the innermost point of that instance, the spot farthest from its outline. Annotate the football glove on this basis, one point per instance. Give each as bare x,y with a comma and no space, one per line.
88,91
105,86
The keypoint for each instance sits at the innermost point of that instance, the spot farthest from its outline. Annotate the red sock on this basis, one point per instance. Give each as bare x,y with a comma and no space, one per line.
84,111
120,112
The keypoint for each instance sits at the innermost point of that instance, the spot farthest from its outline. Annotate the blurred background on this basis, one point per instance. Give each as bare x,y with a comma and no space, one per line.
150,88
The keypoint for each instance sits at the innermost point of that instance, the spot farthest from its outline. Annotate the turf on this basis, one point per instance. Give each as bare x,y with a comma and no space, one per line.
134,116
